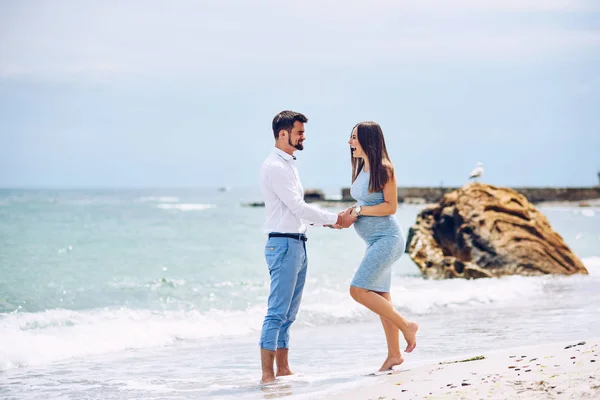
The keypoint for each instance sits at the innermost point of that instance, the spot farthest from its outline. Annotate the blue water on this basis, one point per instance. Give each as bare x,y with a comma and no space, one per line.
161,294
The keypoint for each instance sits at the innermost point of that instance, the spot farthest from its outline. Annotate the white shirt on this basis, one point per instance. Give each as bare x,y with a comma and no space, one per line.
285,208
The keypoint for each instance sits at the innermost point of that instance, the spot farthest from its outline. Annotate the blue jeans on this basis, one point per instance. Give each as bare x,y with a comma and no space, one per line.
287,262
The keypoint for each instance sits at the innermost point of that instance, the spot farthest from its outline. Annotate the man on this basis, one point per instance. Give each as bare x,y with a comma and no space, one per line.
285,252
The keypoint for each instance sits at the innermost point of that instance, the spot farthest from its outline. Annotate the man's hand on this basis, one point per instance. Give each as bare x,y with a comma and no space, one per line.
345,220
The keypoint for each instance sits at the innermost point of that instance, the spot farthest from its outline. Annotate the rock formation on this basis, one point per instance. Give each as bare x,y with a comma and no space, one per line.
481,231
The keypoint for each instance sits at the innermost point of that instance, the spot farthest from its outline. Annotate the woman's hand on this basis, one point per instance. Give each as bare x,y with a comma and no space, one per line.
347,218
347,210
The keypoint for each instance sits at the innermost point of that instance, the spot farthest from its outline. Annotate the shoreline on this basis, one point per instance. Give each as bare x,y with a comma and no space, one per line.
557,370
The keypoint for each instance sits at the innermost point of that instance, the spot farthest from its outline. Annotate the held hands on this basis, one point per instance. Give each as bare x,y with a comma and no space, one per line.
352,211
345,219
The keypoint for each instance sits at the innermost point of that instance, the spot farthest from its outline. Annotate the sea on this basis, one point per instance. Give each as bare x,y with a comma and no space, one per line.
161,294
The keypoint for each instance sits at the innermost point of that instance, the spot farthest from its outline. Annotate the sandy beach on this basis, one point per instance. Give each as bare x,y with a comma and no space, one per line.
568,370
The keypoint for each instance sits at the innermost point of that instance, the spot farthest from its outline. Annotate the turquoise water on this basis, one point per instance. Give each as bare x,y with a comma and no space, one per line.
161,294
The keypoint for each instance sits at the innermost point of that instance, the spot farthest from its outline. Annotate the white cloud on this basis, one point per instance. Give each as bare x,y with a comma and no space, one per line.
78,37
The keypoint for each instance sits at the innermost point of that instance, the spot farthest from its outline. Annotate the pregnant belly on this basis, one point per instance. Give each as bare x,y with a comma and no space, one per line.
369,228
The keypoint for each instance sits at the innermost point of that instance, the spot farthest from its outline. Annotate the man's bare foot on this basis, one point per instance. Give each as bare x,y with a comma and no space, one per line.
391,362
267,379
411,336
284,372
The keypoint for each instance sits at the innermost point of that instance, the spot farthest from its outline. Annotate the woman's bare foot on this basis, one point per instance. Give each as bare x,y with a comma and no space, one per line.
391,362
411,336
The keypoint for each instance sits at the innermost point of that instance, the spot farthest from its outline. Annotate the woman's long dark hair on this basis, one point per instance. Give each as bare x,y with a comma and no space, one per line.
370,137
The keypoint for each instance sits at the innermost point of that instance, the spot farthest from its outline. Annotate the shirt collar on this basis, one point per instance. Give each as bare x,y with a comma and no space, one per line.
283,154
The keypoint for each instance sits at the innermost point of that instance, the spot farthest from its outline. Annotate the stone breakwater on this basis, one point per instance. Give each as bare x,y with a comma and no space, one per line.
433,194
417,194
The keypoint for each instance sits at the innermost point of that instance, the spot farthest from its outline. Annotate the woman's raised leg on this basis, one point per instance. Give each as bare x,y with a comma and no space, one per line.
382,307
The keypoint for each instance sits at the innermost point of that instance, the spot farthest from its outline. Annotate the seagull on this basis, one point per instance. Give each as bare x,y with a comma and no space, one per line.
477,172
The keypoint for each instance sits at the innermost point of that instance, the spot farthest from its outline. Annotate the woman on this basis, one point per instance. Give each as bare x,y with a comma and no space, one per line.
374,189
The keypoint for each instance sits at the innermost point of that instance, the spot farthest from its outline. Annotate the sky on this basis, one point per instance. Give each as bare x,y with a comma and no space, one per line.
128,94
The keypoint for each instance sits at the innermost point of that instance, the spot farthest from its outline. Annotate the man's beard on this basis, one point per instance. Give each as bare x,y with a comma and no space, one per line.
298,146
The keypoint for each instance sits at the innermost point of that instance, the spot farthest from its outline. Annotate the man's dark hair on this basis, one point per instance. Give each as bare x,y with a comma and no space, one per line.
285,120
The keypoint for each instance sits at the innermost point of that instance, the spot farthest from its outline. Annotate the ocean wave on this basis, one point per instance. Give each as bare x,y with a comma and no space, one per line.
58,334
186,206
592,264
588,212
161,199
420,296
424,296
131,283
53,335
